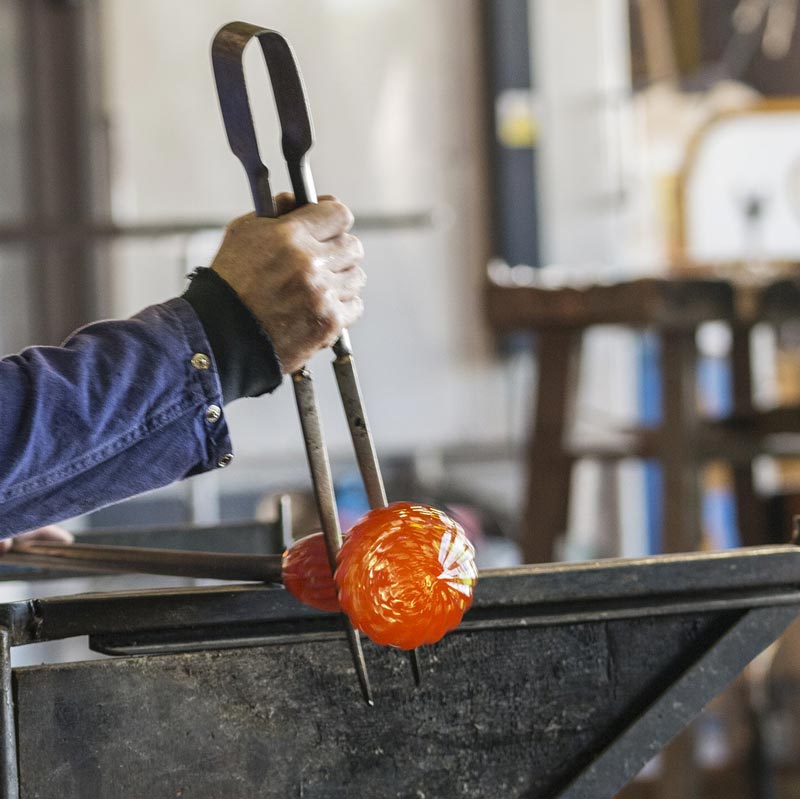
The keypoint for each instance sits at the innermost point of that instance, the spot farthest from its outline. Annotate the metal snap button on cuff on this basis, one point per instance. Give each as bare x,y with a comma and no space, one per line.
225,460
213,413
201,361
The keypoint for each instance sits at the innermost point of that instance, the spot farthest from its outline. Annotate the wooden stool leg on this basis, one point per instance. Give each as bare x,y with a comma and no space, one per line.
681,777
681,528
749,512
549,465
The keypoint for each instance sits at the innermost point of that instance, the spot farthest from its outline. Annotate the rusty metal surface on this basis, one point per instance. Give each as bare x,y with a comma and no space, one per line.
507,712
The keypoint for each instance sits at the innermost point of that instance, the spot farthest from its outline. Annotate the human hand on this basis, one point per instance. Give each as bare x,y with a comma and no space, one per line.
300,274
50,533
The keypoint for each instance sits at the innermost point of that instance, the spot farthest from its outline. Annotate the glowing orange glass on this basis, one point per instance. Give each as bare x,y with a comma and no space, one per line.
406,574
307,573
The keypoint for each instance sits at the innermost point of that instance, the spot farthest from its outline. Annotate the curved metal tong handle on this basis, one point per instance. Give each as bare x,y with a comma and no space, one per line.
297,133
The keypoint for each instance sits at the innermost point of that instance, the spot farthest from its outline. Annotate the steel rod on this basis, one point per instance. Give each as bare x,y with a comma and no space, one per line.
322,480
171,562
344,367
350,392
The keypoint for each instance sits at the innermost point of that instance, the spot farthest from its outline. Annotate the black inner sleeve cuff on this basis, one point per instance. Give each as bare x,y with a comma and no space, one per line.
245,357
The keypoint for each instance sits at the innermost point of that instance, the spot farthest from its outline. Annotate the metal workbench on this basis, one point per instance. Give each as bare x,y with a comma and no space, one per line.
563,681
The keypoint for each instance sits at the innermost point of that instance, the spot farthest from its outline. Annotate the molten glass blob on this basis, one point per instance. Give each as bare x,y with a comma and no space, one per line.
406,575
307,573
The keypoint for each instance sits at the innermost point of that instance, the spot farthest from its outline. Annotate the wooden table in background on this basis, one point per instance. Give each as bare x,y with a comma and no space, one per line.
673,307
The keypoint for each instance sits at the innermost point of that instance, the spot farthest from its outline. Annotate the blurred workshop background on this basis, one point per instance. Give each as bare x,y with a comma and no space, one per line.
582,227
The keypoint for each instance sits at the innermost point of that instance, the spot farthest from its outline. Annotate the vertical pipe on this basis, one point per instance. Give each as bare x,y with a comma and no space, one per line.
681,526
9,777
512,142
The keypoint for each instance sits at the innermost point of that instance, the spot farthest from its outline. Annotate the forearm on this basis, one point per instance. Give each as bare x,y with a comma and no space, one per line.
121,408
128,406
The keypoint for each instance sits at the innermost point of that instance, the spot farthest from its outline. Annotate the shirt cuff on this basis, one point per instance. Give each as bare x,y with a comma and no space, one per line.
204,387
244,354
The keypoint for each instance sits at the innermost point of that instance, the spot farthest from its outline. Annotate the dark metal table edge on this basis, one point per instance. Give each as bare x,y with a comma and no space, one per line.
527,595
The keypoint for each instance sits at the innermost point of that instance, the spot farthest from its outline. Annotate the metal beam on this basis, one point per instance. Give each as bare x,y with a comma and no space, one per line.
678,703
563,681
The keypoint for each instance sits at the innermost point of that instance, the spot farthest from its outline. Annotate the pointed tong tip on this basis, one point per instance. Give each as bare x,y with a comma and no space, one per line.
413,657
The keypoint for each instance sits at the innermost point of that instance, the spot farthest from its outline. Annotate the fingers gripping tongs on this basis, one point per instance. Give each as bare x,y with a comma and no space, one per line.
297,139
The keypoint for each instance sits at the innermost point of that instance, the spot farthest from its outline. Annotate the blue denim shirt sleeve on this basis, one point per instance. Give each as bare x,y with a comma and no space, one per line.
120,408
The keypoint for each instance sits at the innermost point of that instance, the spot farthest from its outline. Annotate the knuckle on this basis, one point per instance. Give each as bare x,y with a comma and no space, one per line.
303,289
306,265
328,324
299,260
291,228
318,307
319,301
284,203
316,272
355,247
345,213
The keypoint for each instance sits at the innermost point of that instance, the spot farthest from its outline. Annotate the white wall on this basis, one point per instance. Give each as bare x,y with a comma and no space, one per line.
581,63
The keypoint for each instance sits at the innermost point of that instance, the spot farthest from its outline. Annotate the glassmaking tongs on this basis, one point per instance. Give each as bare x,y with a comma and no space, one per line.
297,138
